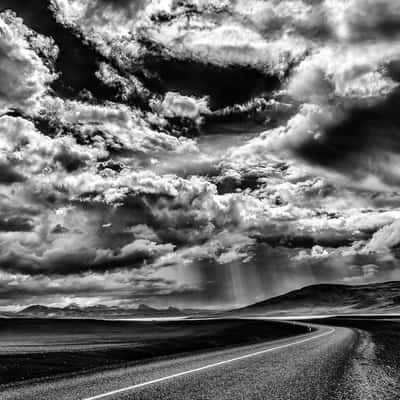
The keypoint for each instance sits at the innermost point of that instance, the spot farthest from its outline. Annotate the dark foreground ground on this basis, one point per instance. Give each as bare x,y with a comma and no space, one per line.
33,349
302,367
342,359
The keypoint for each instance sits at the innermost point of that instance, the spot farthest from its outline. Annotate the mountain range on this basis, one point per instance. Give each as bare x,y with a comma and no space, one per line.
322,299
96,311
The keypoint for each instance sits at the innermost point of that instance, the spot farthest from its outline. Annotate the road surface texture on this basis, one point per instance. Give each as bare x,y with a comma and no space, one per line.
373,371
303,367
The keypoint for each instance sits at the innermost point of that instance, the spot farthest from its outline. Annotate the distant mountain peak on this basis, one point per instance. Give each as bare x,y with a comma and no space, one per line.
34,308
145,307
72,306
73,310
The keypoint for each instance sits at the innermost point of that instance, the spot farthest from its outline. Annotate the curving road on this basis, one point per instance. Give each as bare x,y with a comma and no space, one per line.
304,367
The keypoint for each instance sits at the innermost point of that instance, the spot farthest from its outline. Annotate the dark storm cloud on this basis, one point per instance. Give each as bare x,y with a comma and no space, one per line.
77,61
130,6
15,224
13,292
368,18
231,185
363,131
23,75
192,77
71,161
274,270
308,242
17,290
357,92
75,248
127,206
59,229
9,175
57,262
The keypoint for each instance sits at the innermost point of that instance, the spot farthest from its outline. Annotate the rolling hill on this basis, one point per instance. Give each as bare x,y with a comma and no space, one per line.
377,298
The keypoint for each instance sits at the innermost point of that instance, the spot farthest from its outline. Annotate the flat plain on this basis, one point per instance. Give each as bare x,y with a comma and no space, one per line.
37,349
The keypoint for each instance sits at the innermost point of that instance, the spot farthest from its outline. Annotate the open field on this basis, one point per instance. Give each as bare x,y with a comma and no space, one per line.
41,348
352,358
300,367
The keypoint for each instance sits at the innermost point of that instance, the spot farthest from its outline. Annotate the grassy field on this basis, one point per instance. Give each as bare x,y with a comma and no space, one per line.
32,349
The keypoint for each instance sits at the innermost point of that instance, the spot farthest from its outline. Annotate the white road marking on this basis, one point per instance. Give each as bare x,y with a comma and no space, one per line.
217,364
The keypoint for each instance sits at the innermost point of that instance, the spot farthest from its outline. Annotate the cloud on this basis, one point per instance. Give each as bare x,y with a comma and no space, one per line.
364,273
9,174
129,89
223,248
114,129
384,240
166,55
28,152
175,105
230,150
24,76
15,224
357,20
237,45
56,173
82,245
346,71
111,288
101,20
99,208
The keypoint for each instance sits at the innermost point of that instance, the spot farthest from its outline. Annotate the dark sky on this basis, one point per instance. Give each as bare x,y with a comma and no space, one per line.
196,154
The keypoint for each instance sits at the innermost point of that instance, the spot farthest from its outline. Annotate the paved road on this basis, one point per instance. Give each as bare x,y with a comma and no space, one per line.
305,367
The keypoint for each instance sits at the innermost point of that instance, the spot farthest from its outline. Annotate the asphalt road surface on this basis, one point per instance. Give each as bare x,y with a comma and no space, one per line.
303,367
